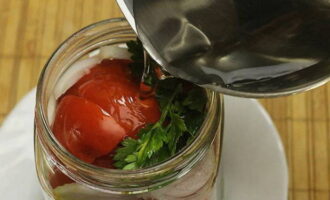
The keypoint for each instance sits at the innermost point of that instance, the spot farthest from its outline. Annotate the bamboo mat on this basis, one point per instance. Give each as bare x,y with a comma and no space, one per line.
30,30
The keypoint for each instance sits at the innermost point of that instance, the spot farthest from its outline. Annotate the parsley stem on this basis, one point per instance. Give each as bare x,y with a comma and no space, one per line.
168,105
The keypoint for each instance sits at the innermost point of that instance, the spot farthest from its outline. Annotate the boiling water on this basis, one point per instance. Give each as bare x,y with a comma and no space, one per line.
244,45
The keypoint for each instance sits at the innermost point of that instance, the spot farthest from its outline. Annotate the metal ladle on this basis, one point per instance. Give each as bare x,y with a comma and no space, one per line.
248,48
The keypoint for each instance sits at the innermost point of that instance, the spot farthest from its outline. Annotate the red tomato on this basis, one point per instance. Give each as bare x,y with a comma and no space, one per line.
104,161
102,108
85,129
59,179
111,86
107,69
121,100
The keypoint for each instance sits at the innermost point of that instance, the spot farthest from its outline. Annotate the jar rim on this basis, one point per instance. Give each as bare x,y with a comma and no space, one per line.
203,139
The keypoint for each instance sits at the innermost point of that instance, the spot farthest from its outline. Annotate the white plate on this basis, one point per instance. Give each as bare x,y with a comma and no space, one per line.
253,162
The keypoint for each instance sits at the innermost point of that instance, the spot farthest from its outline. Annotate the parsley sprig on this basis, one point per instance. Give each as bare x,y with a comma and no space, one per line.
182,115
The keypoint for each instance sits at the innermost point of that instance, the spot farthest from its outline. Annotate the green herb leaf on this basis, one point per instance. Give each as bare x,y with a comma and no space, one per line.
175,129
153,141
158,157
165,89
137,67
193,121
195,100
130,158
129,146
136,49
182,115
130,166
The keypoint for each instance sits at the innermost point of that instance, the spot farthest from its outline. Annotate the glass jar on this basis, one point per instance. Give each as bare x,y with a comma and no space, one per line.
191,174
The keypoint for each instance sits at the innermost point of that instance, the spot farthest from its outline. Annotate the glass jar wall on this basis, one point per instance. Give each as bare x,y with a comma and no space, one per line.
189,175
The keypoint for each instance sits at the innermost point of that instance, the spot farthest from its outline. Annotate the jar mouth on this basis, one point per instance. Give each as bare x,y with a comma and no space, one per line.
173,166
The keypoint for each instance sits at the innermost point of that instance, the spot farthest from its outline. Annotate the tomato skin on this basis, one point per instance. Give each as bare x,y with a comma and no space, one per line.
121,100
85,129
100,110
105,162
58,178
107,69
111,86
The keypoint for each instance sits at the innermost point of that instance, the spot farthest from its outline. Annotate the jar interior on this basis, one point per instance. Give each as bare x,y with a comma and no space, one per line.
83,51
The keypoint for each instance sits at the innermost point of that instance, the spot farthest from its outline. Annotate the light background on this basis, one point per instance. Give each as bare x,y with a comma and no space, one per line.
30,30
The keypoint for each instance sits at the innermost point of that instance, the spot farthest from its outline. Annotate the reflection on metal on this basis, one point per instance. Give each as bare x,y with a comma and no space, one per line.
240,47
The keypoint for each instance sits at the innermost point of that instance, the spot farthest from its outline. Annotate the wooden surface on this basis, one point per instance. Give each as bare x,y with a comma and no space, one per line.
30,30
